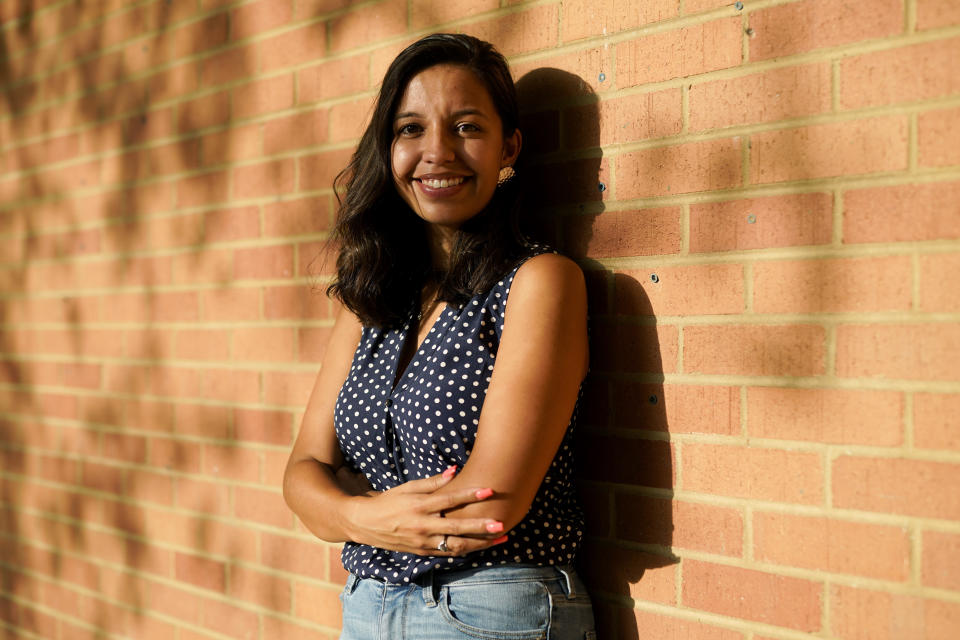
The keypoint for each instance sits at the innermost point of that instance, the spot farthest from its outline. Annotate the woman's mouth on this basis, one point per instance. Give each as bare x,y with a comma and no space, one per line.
441,183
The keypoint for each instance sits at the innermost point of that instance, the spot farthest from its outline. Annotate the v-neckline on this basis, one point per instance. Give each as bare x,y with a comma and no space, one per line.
399,375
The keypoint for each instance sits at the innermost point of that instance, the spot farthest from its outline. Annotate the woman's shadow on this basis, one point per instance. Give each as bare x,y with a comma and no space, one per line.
626,467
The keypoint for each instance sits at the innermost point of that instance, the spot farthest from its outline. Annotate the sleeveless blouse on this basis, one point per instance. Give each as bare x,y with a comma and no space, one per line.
428,421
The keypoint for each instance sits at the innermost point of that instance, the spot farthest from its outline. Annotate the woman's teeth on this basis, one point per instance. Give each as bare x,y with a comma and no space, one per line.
440,184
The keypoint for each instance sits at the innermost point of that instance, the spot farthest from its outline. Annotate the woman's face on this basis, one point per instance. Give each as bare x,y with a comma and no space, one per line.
448,146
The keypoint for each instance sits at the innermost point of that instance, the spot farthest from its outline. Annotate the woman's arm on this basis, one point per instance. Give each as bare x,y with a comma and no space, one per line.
319,489
542,359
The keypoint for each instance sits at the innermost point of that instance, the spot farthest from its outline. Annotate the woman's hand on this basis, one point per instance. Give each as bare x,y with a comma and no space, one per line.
409,518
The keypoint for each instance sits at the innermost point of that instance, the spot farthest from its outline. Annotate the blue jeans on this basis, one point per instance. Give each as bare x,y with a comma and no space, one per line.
509,602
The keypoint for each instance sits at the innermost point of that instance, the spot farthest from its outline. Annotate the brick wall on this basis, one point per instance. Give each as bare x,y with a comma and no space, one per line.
766,199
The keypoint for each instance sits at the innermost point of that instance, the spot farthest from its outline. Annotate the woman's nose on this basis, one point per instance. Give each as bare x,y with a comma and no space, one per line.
438,147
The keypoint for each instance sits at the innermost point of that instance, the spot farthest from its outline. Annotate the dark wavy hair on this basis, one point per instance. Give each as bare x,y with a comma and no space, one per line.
384,259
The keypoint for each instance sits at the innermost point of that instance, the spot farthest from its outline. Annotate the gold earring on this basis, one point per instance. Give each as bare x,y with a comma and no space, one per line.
506,174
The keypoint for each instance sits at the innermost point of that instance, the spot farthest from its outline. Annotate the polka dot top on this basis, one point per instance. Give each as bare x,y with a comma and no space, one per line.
428,422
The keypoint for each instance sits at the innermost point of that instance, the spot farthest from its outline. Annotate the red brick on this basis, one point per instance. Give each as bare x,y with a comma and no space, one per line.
201,344
941,555
349,119
934,421
937,13
836,546
227,66
274,427
265,507
675,408
295,302
679,525
835,416
371,23
758,474
263,96
229,620
774,350
287,389
627,119
202,420
759,223
624,233
935,129
295,132
313,343
896,485
684,290
904,213
626,347
905,74
320,605
825,150
634,623
833,285
231,145
276,628
430,13
582,18
271,178
261,588
304,216
208,111
683,168
332,79
679,53
202,572
264,262
318,171
229,385
231,304
293,47
937,293
205,189
921,351
224,225
231,462
859,614
522,32
294,555
752,595
656,471
202,497
618,570
806,26
251,19
537,88
778,94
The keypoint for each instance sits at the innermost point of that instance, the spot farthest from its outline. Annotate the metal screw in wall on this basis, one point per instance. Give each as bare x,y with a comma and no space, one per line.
654,277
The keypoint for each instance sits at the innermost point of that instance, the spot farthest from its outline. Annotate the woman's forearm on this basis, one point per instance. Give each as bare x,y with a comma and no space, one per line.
313,493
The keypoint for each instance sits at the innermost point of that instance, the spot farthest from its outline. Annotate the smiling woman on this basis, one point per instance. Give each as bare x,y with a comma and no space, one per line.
427,375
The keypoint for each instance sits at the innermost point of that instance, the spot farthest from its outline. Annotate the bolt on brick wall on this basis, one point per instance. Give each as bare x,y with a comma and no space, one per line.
765,197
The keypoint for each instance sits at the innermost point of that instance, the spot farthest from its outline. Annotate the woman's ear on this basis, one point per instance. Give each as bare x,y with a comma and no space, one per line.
511,148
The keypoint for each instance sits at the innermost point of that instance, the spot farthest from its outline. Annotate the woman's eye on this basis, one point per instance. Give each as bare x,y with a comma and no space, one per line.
467,127
409,130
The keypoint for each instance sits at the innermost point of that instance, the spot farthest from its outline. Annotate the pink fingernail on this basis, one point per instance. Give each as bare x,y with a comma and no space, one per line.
494,527
484,493
449,471
499,540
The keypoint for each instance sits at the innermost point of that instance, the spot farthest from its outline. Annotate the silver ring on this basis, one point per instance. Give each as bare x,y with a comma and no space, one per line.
443,545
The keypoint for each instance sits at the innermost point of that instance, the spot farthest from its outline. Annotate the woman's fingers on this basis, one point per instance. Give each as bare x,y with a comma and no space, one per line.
442,502
427,485
457,546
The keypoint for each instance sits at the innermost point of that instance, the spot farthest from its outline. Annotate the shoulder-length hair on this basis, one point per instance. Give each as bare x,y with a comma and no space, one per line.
384,259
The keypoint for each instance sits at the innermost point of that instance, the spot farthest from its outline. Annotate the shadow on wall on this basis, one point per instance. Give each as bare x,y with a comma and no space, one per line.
64,192
627,480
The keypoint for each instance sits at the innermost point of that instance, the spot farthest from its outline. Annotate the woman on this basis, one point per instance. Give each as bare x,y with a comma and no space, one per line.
435,443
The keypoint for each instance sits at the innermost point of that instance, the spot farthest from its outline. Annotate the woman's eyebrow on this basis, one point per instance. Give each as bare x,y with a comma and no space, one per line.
469,111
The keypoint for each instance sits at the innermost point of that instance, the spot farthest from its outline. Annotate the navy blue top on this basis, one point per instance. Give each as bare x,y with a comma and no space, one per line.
429,422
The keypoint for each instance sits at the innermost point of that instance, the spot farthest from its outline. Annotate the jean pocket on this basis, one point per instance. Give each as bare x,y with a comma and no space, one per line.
517,610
